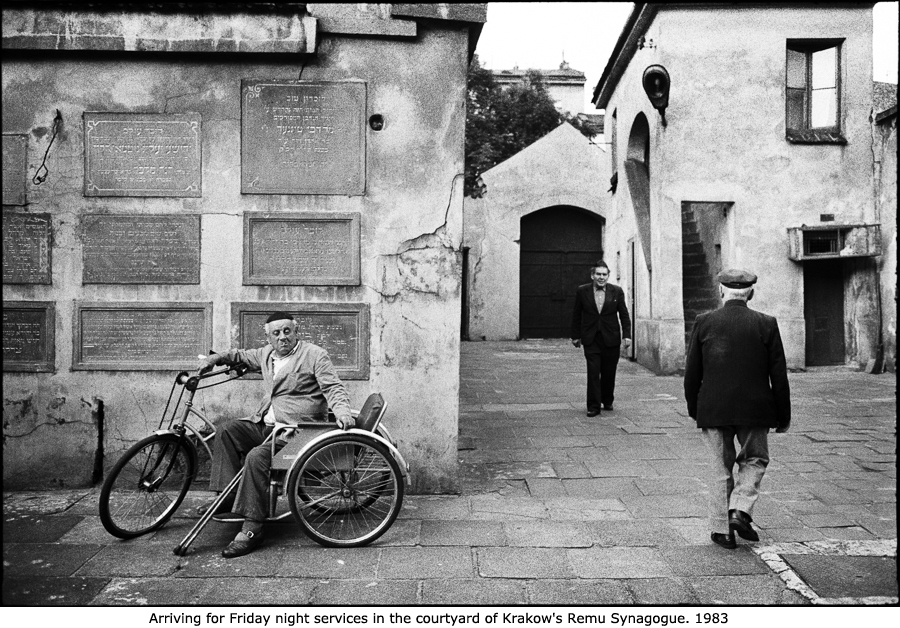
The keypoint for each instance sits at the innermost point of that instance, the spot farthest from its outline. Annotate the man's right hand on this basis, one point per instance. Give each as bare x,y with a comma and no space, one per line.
206,364
576,342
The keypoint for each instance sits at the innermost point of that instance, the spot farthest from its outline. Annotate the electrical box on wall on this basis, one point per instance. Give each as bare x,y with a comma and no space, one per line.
833,241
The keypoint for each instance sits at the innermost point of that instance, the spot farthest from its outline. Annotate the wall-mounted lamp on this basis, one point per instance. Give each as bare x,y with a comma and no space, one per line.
376,122
656,84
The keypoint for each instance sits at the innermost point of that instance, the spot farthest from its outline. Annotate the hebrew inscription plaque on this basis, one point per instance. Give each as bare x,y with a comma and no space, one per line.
303,137
301,249
28,336
145,249
126,336
26,248
342,329
142,154
15,163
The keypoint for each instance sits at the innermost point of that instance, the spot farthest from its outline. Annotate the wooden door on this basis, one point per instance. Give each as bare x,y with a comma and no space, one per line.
823,307
558,246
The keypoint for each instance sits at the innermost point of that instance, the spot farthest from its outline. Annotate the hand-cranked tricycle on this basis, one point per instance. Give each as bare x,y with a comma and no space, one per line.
344,487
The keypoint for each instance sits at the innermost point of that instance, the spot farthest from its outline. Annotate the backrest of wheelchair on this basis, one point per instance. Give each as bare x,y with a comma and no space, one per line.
371,412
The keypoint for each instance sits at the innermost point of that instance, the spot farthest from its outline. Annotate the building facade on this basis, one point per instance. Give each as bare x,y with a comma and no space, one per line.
762,159
175,171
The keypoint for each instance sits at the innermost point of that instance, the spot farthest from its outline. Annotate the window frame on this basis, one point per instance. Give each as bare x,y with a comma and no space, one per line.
808,134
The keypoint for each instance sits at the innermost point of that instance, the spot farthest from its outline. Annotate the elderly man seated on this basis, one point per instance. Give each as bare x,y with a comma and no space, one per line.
302,385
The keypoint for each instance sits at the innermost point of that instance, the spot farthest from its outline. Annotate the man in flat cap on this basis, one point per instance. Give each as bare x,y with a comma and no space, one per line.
302,385
736,387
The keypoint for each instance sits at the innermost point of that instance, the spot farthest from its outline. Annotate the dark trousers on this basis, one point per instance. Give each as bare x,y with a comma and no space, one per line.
239,443
602,362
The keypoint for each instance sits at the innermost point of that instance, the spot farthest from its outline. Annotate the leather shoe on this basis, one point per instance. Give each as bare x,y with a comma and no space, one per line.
241,547
592,413
739,521
225,506
724,540
607,406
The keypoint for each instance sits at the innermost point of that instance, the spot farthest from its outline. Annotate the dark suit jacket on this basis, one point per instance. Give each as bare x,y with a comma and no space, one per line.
587,322
736,372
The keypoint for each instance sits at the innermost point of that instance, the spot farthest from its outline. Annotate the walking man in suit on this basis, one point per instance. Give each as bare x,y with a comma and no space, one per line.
599,310
736,386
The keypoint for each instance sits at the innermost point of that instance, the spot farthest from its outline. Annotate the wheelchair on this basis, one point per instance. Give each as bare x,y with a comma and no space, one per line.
344,487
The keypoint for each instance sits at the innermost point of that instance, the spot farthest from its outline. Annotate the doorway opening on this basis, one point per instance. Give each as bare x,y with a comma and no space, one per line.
823,309
558,245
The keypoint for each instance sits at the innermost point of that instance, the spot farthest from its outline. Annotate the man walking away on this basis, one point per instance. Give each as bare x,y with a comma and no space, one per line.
736,387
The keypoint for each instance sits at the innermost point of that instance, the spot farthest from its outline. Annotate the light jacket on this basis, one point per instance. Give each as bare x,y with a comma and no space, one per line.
304,388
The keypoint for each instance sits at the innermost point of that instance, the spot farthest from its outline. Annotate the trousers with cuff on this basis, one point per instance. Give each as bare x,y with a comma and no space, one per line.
240,444
727,490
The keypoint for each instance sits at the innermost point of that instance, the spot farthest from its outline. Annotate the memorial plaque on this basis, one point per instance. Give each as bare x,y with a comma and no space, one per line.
303,137
125,336
301,249
342,329
143,249
15,163
29,329
142,154
26,248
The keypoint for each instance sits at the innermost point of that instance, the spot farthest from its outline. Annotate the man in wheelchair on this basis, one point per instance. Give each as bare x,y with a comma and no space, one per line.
302,386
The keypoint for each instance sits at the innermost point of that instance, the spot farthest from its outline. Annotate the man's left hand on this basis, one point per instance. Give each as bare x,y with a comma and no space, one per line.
627,342
345,423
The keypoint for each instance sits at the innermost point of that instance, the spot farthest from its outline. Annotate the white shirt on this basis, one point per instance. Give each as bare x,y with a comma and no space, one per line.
278,364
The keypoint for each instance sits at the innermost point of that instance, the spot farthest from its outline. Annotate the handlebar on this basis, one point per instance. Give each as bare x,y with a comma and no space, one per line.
191,382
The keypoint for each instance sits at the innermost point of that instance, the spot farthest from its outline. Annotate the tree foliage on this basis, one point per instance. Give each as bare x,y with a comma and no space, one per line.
501,122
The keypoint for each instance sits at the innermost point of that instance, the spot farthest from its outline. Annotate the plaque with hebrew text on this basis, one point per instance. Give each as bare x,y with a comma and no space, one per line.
28,336
342,329
303,137
141,249
26,248
15,164
301,249
142,154
126,336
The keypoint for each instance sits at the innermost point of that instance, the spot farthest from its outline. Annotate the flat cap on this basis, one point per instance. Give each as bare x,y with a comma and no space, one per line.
279,316
733,278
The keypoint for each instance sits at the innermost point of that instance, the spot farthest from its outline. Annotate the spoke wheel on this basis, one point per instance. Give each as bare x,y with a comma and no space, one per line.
346,491
147,485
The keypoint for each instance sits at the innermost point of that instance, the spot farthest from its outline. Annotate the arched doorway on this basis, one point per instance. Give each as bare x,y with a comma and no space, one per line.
557,247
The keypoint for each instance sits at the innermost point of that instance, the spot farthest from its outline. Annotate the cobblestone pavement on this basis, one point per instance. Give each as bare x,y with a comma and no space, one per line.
555,509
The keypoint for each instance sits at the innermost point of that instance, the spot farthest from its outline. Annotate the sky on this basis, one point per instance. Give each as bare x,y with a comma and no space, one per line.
541,34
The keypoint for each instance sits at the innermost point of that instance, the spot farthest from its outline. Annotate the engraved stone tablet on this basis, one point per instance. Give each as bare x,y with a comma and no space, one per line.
141,154
26,248
342,329
303,137
15,162
145,249
301,249
140,336
28,336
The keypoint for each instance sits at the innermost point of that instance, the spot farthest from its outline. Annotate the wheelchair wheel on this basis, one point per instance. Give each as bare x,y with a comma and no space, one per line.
147,485
345,491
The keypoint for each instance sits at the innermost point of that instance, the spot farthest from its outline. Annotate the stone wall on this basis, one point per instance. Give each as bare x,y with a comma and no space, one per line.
395,283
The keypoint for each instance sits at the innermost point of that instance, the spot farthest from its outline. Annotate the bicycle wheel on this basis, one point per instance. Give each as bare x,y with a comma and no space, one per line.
146,485
346,491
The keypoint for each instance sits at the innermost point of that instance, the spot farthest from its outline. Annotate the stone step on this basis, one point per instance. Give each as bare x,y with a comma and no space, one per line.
692,248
